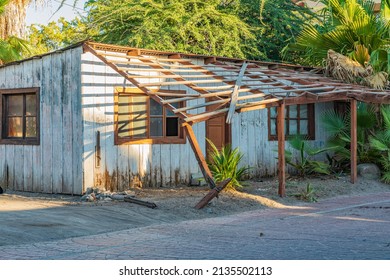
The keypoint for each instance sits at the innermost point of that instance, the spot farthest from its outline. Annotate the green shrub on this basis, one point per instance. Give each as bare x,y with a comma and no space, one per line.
224,164
380,142
303,163
339,126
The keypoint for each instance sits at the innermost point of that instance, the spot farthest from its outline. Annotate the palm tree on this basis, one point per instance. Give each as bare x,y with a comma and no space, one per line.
13,16
349,27
381,143
12,20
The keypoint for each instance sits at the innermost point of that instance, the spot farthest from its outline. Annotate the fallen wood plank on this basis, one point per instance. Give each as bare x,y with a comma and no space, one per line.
140,202
213,193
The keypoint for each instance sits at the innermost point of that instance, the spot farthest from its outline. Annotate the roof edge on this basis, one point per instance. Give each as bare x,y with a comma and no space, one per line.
124,49
16,62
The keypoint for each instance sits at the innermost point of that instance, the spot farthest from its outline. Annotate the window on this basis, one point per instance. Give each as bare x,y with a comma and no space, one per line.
299,119
342,107
140,119
20,116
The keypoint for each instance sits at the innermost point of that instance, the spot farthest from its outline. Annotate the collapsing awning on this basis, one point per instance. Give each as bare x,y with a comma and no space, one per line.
234,85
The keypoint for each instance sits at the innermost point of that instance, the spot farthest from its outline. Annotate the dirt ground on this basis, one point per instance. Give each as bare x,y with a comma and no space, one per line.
175,204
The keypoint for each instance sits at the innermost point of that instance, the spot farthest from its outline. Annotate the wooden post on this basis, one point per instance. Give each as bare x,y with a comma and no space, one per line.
199,155
353,141
281,150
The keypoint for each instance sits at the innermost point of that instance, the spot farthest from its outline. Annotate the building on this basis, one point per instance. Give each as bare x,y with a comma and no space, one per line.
118,117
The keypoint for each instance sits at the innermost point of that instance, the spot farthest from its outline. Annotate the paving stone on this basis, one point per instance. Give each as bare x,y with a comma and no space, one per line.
340,228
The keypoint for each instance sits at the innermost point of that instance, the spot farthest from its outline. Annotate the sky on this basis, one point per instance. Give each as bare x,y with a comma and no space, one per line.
47,12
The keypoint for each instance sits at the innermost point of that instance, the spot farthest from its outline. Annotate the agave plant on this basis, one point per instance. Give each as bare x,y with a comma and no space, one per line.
381,143
224,164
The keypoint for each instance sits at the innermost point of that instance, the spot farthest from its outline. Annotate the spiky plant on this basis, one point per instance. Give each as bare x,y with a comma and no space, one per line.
304,163
308,194
224,164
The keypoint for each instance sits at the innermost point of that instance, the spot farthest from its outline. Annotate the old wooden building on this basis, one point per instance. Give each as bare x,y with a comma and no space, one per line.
114,117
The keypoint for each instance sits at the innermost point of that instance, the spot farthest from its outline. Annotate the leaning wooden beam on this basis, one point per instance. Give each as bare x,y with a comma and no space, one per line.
233,101
353,141
199,155
213,193
281,150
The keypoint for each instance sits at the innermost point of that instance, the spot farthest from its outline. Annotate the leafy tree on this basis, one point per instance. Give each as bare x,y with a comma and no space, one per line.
197,26
276,24
56,35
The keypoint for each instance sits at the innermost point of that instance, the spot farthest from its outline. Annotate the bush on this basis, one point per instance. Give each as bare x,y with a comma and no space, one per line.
224,164
303,163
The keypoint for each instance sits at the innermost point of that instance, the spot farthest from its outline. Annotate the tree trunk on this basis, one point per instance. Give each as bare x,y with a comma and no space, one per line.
12,22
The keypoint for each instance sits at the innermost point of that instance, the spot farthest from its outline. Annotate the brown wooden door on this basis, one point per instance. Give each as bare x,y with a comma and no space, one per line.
217,130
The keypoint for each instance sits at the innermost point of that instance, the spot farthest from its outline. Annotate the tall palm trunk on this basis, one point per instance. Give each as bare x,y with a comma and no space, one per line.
12,21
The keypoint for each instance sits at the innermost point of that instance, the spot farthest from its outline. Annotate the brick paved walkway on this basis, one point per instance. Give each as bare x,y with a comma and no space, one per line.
340,228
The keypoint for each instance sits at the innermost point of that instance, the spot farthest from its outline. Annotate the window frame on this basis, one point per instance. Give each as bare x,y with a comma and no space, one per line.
4,93
310,122
181,139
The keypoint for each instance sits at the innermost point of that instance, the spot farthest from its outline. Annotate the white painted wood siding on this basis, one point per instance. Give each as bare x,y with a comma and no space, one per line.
124,166
53,166
250,135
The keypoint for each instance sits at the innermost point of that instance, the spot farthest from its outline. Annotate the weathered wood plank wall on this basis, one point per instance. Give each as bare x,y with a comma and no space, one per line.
122,166
54,166
250,134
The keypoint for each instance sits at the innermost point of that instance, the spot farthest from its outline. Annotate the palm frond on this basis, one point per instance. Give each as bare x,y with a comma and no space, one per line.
333,122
